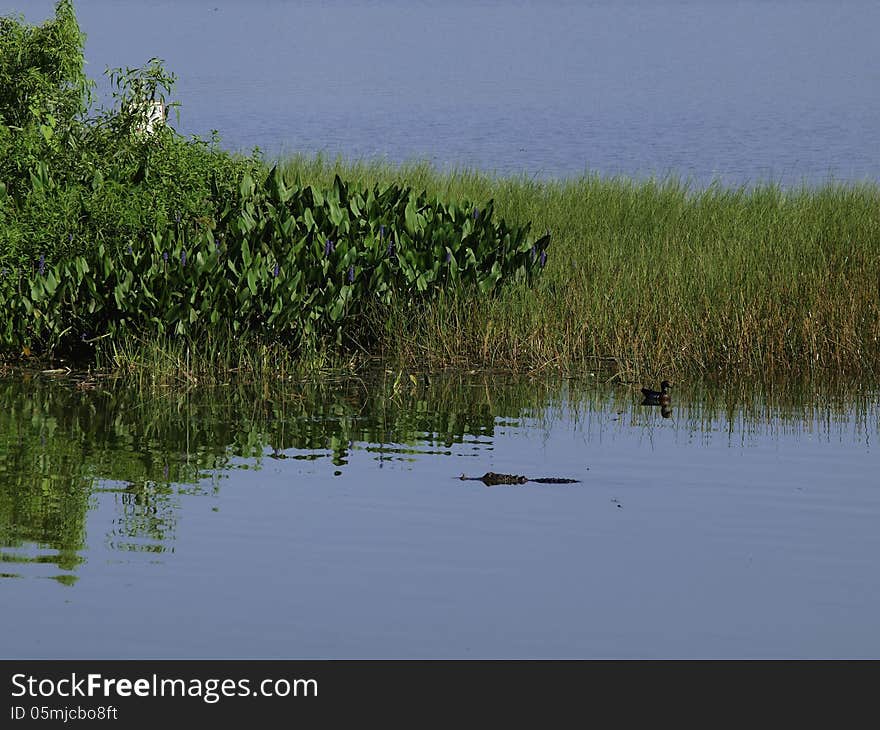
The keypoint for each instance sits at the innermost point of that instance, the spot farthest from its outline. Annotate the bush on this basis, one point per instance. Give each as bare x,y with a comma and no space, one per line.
69,181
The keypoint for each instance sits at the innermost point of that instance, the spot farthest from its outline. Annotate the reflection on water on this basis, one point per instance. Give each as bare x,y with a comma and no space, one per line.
113,476
62,446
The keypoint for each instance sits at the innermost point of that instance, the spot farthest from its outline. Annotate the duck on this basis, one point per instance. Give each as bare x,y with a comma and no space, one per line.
657,397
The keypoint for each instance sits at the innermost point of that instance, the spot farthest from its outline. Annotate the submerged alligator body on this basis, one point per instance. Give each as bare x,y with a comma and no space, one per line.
491,479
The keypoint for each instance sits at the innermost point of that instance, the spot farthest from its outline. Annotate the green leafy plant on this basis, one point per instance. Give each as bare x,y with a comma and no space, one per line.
295,264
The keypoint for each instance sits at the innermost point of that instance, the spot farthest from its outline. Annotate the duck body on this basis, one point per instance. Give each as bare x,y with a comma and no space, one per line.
657,397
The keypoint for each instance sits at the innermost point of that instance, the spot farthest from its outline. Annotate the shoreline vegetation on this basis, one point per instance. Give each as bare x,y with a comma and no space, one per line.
163,257
653,277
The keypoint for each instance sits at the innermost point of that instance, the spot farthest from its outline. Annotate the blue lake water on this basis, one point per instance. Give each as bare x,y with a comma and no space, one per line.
748,91
326,521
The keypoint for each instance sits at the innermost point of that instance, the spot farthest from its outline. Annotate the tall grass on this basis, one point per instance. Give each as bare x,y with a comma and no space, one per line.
184,361
658,277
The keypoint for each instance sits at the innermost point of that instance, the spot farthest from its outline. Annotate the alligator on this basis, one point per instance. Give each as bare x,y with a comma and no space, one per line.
491,479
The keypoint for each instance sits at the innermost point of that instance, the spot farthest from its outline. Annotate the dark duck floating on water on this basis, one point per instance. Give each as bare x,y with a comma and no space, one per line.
657,397
491,479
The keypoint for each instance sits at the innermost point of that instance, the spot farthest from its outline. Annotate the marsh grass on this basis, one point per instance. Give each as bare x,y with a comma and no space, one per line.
215,358
657,276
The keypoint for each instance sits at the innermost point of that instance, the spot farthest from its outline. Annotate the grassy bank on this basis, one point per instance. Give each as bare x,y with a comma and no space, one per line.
659,277
151,253
647,278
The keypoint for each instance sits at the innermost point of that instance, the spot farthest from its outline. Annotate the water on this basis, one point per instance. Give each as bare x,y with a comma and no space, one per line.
757,90
325,520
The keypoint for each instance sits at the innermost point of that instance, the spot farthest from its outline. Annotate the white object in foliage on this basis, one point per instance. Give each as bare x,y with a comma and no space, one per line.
151,114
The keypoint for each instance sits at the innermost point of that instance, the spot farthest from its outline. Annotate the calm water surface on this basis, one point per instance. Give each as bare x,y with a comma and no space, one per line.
326,521
746,91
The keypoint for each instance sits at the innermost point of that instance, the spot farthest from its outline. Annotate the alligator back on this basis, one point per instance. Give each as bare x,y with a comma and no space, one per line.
491,479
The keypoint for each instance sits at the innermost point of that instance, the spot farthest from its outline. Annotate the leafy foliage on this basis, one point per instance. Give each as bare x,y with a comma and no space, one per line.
293,262
43,93
71,178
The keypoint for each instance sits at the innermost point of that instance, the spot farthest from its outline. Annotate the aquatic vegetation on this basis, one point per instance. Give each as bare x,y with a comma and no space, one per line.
290,263
657,279
293,263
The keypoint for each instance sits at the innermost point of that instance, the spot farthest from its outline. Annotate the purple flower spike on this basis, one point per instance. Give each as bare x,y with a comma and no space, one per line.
165,256
129,249
42,265
381,232
275,271
351,274
534,252
448,256
543,258
328,248
476,213
183,258
70,238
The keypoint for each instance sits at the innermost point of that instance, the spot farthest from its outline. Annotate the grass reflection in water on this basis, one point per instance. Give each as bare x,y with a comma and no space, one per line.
62,447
